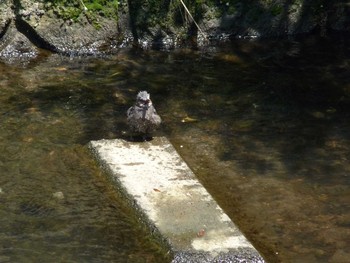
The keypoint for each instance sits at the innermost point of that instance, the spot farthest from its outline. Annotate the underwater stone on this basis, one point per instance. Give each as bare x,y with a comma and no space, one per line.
172,202
58,195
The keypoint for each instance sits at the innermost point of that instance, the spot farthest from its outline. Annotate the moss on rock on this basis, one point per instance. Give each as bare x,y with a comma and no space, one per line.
75,9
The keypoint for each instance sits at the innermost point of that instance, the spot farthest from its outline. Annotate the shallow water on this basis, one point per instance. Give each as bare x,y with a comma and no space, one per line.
263,124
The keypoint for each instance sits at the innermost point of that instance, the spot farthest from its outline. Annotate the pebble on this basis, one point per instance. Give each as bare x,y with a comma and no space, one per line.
58,195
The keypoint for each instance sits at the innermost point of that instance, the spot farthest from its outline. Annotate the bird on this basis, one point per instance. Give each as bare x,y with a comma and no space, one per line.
142,117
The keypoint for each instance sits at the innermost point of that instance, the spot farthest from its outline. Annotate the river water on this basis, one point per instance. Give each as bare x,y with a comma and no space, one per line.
263,124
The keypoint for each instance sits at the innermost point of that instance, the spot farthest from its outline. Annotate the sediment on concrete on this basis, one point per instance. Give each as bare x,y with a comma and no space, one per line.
172,202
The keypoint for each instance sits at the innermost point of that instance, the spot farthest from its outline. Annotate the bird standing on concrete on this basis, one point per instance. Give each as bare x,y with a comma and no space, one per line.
142,117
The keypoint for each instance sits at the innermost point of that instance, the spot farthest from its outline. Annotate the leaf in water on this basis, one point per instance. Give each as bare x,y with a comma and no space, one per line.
61,69
208,78
28,139
331,110
115,74
120,98
32,110
231,58
244,125
318,114
188,119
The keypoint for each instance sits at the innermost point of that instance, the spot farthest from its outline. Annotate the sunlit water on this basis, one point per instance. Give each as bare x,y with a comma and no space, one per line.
264,125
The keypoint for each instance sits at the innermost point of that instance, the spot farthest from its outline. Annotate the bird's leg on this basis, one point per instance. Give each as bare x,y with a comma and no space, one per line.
131,136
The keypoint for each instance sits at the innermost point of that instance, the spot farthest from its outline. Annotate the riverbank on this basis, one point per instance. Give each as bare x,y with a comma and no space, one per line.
73,28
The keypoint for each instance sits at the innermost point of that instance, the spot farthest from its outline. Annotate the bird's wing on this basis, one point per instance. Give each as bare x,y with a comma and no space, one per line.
130,111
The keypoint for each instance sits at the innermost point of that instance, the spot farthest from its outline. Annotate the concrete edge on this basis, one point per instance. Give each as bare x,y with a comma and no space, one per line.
142,216
248,254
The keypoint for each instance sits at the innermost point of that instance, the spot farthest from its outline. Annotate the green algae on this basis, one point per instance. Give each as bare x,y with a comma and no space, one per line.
76,9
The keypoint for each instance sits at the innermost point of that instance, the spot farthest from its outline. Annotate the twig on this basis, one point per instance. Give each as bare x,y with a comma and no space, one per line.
85,8
194,21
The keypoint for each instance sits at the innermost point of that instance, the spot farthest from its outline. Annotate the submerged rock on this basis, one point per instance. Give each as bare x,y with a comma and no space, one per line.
58,195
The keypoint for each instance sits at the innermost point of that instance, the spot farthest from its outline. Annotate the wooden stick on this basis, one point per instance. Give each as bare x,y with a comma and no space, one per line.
85,8
194,21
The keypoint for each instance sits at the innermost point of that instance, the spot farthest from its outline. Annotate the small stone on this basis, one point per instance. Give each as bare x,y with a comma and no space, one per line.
58,195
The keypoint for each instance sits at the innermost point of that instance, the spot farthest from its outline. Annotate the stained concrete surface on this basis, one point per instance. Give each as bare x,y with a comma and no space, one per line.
173,203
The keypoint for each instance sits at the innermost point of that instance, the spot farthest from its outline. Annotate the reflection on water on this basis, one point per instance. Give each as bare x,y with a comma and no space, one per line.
264,125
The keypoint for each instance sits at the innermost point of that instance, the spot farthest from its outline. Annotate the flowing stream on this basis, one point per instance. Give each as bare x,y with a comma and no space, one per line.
263,124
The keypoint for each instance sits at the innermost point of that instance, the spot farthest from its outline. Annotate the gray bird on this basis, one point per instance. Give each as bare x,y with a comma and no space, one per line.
142,118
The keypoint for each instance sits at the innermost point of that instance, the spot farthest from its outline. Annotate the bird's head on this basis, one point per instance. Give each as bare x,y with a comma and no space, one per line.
143,99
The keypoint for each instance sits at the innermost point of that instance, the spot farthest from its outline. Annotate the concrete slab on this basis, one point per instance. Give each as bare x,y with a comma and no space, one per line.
172,202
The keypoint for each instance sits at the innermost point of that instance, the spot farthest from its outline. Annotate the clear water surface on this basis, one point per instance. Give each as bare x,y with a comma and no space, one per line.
263,124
